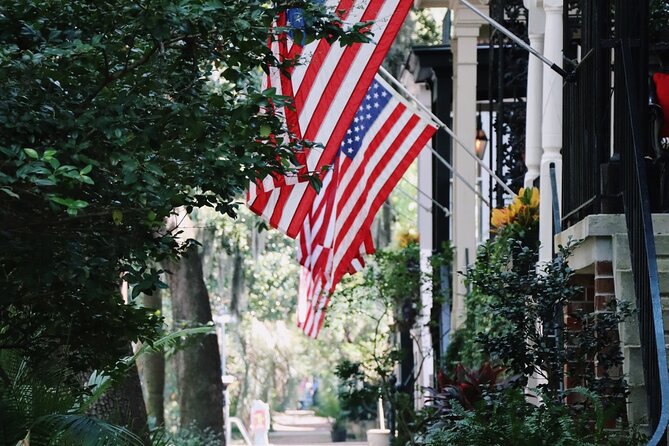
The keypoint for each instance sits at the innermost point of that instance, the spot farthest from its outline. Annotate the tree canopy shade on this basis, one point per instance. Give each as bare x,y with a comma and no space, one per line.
112,114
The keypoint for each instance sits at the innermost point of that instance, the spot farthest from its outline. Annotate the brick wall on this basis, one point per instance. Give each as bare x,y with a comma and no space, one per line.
595,301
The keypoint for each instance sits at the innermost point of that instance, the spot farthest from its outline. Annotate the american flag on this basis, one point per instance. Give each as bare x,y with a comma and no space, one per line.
386,135
327,90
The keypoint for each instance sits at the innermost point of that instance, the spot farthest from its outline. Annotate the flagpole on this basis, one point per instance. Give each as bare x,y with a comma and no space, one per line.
441,124
498,26
414,199
435,202
401,214
406,194
457,174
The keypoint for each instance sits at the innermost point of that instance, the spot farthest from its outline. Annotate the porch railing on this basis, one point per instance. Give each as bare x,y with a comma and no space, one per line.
587,106
631,139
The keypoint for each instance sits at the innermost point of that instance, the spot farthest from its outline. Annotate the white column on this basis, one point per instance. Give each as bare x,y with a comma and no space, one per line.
425,230
466,31
423,349
537,21
551,126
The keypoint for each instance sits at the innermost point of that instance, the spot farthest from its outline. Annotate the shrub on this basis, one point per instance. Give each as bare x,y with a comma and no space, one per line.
510,420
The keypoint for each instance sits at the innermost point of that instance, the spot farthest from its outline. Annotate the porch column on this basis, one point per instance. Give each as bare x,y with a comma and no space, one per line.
464,43
551,126
423,348
537,22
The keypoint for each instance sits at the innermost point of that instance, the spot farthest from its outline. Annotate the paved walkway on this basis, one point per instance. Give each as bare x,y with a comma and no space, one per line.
303,428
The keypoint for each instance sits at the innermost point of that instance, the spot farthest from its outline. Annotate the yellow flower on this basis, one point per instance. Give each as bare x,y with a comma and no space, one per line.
524,215
523,210
533,199
515,208
521,192
406,238
528,196
500,217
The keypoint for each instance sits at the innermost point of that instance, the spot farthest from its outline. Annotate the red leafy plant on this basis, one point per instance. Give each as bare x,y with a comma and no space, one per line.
469,386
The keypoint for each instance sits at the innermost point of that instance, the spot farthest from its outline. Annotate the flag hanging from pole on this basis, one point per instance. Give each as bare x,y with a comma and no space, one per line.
386,135
327,89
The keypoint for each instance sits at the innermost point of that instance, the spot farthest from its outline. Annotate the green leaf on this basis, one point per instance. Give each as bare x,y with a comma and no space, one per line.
117,216
213,5
86,170
315,182
86,179
298,36
265,131
154,168
45,181
53,162
9,192
70,203
32,153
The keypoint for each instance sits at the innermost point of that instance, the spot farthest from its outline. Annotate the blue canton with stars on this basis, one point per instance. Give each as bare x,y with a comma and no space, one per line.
375,101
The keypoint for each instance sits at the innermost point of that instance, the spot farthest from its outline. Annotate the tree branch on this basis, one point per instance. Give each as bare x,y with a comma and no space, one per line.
117,75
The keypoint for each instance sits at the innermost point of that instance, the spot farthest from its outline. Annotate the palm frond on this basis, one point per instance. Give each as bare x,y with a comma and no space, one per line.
80,430
99,383
172,340
28,392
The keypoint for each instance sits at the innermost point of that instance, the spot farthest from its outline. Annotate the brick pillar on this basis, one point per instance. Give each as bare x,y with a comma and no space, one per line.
577,367
604,287
604,296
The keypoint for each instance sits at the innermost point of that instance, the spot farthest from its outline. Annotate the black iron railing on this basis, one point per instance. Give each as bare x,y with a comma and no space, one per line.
587,105
507,79
630,137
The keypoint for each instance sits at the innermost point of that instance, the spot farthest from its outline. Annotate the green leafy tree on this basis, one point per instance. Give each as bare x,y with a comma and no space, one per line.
386,295
111,118
112,114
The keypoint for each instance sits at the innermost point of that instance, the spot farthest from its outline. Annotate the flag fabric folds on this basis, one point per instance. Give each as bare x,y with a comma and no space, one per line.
327,89
386,135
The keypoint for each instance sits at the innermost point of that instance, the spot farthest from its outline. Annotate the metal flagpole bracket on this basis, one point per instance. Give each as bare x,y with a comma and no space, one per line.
447,212
567,76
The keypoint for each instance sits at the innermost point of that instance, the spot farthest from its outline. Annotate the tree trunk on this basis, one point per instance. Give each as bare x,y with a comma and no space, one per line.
198,365
123,404
384,232
240,409
153,370
237,283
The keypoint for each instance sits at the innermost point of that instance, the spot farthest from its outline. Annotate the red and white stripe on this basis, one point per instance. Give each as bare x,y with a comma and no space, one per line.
327,90
337,234
314,253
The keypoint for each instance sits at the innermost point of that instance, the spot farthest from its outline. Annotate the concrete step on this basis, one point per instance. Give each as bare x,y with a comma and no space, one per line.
629,331
621,252
624,283
632,360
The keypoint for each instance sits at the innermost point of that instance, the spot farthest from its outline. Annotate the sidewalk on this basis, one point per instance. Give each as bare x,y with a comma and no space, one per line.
303,428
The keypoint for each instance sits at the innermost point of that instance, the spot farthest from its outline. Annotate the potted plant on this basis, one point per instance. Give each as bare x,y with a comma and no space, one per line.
338,431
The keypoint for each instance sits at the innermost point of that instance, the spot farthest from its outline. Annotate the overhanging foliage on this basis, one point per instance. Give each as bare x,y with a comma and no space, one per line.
114,113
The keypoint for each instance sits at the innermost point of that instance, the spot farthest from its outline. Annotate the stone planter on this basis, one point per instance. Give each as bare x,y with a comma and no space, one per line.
378,437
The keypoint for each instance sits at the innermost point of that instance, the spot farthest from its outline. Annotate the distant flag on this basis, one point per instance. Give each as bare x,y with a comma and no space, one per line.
385,137
327,90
